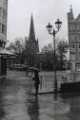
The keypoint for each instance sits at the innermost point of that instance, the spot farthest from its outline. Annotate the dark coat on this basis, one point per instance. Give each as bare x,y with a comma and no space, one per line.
36,78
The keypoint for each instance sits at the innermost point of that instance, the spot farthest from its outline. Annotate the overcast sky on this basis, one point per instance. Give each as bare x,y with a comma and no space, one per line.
44,11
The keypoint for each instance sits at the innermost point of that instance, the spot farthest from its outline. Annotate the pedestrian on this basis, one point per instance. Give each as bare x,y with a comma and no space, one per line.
36,81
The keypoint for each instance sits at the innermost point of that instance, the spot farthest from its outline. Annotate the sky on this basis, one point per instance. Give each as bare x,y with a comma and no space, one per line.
44,11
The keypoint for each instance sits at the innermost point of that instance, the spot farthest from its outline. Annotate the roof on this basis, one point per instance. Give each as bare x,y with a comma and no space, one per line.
6,52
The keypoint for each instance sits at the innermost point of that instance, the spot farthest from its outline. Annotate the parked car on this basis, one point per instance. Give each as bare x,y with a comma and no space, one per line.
18,67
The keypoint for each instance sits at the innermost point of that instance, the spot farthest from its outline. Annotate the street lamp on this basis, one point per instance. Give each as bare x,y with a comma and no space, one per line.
53,32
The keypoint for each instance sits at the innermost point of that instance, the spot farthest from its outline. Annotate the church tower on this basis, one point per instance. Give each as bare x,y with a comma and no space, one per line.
32,46
32,31
74,41
33,43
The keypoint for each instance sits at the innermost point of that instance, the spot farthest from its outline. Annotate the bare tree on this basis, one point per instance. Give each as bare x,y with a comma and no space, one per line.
18,47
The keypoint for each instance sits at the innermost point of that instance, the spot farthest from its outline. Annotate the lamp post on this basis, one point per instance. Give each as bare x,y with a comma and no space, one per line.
53,32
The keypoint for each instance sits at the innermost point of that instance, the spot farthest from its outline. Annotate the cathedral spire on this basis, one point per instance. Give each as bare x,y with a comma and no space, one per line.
71,12
32,32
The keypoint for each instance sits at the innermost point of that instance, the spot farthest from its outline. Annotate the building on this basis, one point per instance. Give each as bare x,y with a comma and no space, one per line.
3,36
3,22
74,40
32,46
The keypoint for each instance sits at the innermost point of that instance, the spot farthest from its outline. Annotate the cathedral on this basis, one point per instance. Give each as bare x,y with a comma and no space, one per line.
74,40
32,46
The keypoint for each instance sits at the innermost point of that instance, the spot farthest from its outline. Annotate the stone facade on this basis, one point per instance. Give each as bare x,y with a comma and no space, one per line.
3,22
3,35
74,40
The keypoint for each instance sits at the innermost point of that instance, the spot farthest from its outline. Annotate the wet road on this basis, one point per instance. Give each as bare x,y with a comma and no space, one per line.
18,103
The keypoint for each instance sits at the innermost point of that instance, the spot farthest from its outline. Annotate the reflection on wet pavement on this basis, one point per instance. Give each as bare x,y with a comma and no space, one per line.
18,103
33,108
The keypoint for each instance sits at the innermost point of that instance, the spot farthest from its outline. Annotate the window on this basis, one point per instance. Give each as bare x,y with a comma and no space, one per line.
76,37
4,14
79,45
78,27
3,29
0,11
0,28
73,45
78,66
72,27
5,2
1,43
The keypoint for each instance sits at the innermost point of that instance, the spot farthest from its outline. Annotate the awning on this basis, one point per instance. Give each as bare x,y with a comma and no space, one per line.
6,52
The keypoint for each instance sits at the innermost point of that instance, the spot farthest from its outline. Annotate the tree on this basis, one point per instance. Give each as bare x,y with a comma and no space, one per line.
18,47
47,48
47,58
62,49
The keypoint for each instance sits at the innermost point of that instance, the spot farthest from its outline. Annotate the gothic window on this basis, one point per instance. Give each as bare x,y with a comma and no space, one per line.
4,14
75,38
0,27
72,27
0,11
79,45
78,27
73,46
79,36
1,43
5,2
71,38
3,29
78,66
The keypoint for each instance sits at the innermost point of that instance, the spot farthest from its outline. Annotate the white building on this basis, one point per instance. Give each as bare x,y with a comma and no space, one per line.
3,22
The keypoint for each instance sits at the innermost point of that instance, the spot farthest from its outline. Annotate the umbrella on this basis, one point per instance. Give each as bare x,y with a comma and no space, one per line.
34,69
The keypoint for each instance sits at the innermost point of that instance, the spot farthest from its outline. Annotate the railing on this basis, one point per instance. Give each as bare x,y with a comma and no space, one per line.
47,80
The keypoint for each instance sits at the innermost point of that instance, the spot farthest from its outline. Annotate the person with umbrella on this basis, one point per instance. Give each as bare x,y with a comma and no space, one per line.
36,80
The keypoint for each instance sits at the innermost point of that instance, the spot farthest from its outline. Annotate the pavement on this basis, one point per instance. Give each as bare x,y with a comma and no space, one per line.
21,76
19,104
